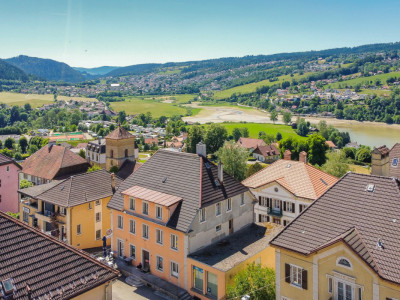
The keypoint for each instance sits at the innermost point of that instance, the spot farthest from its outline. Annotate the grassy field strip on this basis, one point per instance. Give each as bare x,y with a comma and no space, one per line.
352,82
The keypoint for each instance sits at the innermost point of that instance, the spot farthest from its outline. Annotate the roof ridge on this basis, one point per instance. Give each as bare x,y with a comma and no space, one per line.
48,237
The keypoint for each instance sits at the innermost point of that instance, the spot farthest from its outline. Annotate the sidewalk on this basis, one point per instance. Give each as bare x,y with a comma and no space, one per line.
152,281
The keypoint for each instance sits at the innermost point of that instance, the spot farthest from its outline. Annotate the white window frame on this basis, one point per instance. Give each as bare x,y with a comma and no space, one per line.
159,233
130,251
98,202
145,204
202,215
159,209
120,224
218,228
90,205
173,272
343,266
174,242
157,268
229,204
145,231
132,203
296,275
217,209
99,235
242,202
131,221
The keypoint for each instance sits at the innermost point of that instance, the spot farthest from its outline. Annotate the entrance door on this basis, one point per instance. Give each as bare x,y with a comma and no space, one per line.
230,226
146,260
120,248
344,291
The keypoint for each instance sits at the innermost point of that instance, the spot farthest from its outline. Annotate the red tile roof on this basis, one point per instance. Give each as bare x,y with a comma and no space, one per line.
152,196
119,133
330,144
5,160
53,161
250,143
268,150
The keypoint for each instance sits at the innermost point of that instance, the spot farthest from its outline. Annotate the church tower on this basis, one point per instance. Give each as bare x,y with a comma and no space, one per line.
120,146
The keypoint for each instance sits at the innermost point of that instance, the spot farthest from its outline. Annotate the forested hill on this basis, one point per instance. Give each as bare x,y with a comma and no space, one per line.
47,69
10,72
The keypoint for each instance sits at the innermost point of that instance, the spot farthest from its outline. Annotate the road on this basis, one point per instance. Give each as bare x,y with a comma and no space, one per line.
123,291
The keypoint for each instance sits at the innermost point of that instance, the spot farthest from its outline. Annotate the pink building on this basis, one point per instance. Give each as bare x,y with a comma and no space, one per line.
9,184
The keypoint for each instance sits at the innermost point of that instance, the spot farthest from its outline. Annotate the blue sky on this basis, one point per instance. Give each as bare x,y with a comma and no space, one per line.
90,33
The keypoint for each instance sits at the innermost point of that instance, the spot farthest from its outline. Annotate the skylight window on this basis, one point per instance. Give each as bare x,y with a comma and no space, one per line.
324,182
370,187
8,286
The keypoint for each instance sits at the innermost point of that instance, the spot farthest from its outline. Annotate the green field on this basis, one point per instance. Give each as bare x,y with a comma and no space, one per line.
255,128
33,99
252,87
361,80
157,105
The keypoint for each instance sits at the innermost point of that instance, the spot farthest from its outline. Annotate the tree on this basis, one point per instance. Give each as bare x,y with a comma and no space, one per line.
216,135
27,107
273,116
25,184
236,133
363,155
32,149
336,165
112,127
317,148
234,159
23,143
9,142
121,116
302,128
256,281
18,156
245,132
114,169
287,118
195,136
253,168
278,136
349,152
82,153
94,168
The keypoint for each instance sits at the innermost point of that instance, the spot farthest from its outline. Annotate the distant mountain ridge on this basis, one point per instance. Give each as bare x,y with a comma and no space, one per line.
47,68
96,71
10,72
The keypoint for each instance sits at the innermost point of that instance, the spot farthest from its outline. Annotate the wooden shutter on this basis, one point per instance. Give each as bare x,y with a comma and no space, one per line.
293,207
287,273
304,279
259,200
284,205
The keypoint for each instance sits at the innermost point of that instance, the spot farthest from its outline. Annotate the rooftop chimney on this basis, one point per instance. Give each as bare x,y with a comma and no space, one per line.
287,155
303,156
220,172
113,181
201,149
51,144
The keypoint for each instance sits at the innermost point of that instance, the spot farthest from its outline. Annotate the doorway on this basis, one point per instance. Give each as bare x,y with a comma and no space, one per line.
146,260
230,226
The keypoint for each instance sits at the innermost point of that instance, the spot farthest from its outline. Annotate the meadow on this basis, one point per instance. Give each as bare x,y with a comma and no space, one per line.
34,100
361,80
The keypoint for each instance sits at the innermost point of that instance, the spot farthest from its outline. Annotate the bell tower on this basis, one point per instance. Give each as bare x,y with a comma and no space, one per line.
120,146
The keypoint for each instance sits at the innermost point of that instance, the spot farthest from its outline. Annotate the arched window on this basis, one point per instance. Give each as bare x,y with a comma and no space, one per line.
343,262
126,152
112,153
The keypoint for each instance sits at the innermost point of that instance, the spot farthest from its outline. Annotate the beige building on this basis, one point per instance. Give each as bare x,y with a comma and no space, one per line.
385,162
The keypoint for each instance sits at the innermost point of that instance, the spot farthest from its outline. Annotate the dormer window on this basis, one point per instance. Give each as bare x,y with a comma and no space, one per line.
132,203
343,262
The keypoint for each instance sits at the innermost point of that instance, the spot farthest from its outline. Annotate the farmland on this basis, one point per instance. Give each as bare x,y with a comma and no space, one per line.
34,100
362,80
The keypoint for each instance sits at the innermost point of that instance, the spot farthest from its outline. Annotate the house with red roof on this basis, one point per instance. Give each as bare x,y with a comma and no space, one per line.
9,184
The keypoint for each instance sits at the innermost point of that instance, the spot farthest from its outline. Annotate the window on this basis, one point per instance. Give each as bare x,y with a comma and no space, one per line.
132,251
90,205
302,207
120,222
202,215
285,222
145,231
288,206
218,228
145,208
242,199
229,204
174,269
97,202
296,275
112,153
174,242
132,226
330,285
198,278
126,152
263,218
344,291
132,203
78,229
98,217
212,285
218,209
159,212
63,211
159,236
120,247
25,215
160,263
8,168
98,234
343,262
264,201
395,162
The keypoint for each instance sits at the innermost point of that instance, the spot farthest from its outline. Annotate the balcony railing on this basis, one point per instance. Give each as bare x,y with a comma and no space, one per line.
275,212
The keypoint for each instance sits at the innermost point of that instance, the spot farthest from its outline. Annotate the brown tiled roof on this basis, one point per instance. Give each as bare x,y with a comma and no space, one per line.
36,190
330,144
394,169
47,265
302,179
151,196
382,150
127,168
185,175
5,160
350,213
79,189
119,133
267,150
250,143
53,161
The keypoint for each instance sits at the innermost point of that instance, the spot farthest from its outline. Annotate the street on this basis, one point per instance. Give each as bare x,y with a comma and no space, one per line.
123,291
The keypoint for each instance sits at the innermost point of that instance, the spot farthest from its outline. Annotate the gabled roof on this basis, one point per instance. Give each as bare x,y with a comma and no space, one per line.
301,179
267,150
45,264
152,196
188,176
119,133
349,212
53,161
79,189
127,168
5,160
250,143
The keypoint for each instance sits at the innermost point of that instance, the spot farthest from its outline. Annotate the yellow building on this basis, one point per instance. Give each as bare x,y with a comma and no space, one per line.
120,146
345,245
73,210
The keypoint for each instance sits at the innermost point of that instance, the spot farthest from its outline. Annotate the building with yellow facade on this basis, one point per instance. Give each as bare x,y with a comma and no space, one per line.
120,147
73,210
344,246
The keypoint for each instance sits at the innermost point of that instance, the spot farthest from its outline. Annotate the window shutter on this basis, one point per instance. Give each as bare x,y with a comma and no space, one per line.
284,205
304,279
287,273
293,207
259,200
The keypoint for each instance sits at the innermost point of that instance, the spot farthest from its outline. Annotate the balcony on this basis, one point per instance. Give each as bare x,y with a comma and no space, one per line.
274,212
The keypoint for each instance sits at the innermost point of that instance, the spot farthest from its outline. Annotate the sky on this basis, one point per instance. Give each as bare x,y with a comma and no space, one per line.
92,33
